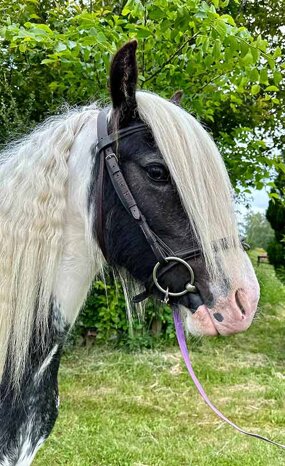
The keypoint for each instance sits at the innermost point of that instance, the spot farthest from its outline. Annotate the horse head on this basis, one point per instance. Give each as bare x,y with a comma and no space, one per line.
175,174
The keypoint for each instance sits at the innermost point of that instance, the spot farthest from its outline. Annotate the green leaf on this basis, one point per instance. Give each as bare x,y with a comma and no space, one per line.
23,47
41,27
71,44
48,61
254,75
277,76
243,47
247,59
263,76
205,44
155,13
127,9
261,44
217,49
259,185
272,89
101,38
255,54
274,195
255,89
221,28
228,19
271,62
53,85
277,52
60,47
243,81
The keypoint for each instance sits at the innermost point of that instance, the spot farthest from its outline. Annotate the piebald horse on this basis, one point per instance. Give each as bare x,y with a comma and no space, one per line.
51,248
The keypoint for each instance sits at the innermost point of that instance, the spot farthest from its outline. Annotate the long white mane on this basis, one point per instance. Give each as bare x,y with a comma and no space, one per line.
34,178
202,181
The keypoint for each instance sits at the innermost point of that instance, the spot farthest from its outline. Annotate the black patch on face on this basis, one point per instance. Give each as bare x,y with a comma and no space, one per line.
218,317
38,397
160,204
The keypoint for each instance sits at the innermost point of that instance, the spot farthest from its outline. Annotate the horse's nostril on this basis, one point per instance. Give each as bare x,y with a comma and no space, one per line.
242,310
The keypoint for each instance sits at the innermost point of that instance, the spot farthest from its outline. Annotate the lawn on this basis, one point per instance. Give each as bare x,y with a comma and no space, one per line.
141,409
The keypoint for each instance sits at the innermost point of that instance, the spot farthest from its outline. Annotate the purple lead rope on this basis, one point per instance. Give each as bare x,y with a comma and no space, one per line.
184,351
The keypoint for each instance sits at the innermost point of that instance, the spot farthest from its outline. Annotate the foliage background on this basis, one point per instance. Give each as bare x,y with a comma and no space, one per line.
53,53
257,230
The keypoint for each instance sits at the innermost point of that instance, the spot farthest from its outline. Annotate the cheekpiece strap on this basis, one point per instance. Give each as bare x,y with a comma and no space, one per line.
109,159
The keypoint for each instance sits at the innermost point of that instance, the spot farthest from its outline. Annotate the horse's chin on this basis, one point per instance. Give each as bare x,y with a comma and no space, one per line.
199,323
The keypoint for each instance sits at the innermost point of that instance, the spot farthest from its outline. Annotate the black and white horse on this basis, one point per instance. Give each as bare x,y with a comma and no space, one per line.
50,251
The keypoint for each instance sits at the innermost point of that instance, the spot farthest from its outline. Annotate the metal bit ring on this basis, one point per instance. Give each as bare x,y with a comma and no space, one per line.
189,288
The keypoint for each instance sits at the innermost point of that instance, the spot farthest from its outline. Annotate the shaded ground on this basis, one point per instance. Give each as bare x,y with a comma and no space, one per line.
120,409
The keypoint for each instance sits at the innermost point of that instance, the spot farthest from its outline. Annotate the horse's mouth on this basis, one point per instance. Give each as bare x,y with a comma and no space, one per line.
197,316
199,321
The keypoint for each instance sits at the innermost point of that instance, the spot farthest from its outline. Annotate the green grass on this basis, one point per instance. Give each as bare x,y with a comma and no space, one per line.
122,409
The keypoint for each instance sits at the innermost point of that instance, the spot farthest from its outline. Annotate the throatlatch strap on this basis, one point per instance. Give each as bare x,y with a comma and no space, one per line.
184,351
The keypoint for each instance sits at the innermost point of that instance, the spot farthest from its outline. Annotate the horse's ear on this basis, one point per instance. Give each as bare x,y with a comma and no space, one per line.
176,98
123,81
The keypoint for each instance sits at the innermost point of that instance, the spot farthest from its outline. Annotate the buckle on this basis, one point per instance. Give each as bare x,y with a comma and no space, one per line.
111,156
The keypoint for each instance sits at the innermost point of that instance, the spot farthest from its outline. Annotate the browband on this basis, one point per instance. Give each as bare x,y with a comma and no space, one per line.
108,140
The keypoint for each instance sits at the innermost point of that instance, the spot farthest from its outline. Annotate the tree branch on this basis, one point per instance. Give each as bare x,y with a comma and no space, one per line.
187,42
211,81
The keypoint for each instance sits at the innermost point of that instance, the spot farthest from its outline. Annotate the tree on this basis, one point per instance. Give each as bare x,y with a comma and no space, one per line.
258,232
52,53
276,216
265,19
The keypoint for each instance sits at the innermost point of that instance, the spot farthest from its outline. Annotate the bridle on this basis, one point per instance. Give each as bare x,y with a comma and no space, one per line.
166,258
165,262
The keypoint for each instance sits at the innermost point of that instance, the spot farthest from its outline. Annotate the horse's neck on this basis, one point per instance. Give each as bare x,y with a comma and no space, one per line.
81,259
26,421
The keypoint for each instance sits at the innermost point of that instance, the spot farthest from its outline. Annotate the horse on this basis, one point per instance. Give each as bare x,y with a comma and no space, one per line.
144,190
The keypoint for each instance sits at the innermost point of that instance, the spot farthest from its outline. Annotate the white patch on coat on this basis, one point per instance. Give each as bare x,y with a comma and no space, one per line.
28,452
5,462
81,259
46,362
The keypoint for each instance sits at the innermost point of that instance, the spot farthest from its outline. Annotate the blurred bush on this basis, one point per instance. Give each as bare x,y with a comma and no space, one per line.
104,319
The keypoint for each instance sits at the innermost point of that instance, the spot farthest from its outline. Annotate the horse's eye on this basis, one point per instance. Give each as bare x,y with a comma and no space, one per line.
157,172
